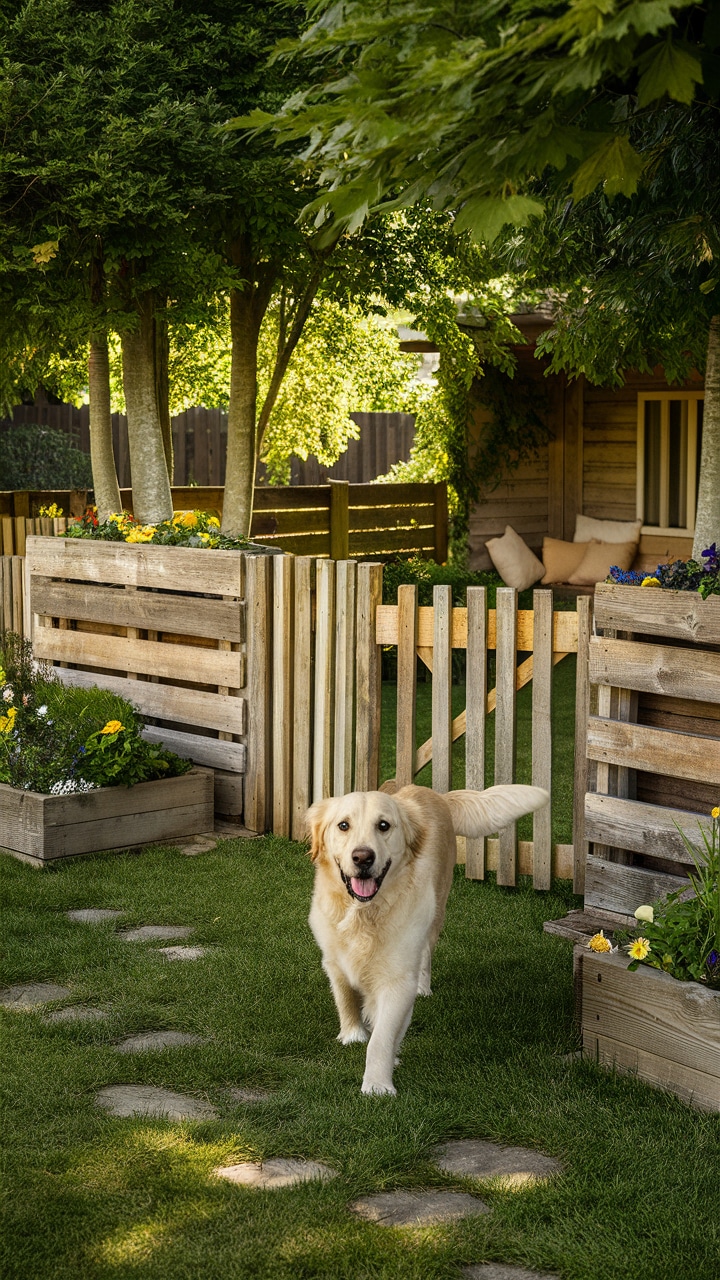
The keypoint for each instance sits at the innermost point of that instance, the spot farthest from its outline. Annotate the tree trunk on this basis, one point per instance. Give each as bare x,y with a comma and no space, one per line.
105,482
707,519
152,500
162,389
242,410
285,351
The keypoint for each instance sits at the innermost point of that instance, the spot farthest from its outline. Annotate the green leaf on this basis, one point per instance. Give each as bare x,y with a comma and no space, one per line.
485,216
668,69
615,163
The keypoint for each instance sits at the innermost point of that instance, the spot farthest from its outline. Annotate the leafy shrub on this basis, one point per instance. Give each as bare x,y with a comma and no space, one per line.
426,574
37,457
56,738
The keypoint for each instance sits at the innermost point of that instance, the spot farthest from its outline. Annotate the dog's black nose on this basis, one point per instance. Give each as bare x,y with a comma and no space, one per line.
363,858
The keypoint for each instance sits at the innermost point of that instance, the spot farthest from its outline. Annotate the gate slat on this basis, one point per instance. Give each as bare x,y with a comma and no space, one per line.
345,571
542,734
368,683
442,689
282,652
476,703
506,722
324,670
406,669
302,696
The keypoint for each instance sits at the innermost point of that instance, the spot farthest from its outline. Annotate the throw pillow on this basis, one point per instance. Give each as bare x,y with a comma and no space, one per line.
561,559
587,527
598,559
517,565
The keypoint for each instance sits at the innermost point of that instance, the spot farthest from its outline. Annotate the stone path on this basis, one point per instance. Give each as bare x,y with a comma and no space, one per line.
77,1013
145,1100
503,1271
28,995
156,932
275,1173
93,915
516,1166
184,953
417,1208
149,1041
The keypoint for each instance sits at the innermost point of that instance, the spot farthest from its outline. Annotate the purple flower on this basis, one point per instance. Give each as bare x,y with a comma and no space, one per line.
712,959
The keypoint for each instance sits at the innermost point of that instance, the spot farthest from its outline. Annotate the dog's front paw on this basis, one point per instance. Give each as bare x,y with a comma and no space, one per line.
378,1087
424,988
353,1035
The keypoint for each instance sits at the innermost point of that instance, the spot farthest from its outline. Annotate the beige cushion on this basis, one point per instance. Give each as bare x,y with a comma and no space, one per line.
586,527
517,565
561,559
598,559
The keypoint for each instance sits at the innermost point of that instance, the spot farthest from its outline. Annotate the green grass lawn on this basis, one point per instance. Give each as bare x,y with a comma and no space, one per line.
92,1196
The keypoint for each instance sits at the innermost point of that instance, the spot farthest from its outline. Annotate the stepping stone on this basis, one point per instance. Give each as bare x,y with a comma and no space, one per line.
148,1041
184,953
198,844
76,1013
156,932
417,1208
250,1095
502,1271
275,1173
26,995
517,1166
93,915
145,1100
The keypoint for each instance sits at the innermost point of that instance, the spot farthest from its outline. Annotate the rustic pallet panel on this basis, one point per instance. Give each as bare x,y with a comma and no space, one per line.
442,689
168,701
184,569
161,611
614,886
506,720
680,615
149,657
217,753
655,668
653,750
648,829
258,797
475,716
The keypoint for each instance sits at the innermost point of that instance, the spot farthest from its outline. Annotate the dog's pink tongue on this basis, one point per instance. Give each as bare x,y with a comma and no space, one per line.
363,888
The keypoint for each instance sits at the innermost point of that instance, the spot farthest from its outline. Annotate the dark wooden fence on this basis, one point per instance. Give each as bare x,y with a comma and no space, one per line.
200,444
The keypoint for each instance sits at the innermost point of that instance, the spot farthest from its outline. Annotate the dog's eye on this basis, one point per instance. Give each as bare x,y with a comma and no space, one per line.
383,825
344,826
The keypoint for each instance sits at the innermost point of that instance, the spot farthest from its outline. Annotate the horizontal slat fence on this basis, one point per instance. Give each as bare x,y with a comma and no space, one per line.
339,520
653,743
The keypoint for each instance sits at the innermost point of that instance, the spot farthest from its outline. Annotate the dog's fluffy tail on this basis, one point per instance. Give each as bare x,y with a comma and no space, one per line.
480,813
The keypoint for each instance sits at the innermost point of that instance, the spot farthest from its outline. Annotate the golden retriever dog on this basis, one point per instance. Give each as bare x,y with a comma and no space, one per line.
383,872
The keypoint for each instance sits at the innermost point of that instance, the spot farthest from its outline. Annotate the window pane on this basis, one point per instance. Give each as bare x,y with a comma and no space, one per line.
652,462
677,477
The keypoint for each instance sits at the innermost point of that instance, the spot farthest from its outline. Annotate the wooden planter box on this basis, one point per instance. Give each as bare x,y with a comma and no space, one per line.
653,742
44,827
664,1031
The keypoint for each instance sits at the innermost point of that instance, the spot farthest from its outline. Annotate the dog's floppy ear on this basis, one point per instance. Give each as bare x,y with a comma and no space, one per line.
316,822
411,823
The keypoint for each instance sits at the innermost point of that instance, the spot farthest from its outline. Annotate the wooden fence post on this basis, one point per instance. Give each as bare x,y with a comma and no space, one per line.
441,522
542,734
442,689
506,721
406,685
368,679
258,779
339,520
302,696
476,711
282,718
346,573
324,684
582,712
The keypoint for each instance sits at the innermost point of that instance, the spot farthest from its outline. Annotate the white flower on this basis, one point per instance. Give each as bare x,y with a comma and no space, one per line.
645,913
42,711
70,785
8,694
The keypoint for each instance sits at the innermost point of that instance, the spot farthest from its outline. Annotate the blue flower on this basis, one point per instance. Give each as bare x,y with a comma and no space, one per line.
712,959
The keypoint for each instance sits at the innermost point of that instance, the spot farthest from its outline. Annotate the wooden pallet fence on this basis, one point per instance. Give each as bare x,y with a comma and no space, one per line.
182,633
653,742
432,633
338,520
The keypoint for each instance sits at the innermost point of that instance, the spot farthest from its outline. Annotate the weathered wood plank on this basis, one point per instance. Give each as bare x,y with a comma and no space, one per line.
282,655
675,1020
682,615
214,752
149,657
506,720
161,611
167,701
582,713
159,825
562,857
565,628
653,750
542,735
475,714
613,886
259,631
345,585
642,828
324,688
442,689
139,565
406,685
302,696
656,668
367,679
392,540
696,1087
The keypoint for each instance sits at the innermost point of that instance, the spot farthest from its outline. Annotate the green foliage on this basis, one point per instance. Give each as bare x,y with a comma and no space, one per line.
426,574
52,737
37,457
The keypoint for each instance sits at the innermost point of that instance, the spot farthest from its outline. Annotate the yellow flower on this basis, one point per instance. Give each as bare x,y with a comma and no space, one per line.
189,519
599,942
639,949
177,518
214,520
7,722
650,582
53,511
645,913
112,726
714,813
144,534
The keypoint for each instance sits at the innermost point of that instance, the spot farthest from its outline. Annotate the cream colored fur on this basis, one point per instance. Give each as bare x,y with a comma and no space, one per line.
377,952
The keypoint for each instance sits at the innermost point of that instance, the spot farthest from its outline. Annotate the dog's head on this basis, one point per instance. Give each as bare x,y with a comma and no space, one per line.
362,838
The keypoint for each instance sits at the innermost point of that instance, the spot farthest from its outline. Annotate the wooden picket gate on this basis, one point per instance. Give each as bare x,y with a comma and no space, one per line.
326,627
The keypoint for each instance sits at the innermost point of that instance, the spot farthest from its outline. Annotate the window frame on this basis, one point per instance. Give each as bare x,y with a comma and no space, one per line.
693,398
